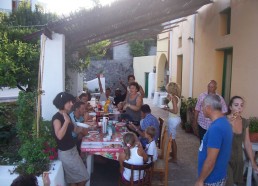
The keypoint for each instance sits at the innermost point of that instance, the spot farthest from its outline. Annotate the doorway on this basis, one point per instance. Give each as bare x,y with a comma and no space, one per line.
146,84
227,74
179,72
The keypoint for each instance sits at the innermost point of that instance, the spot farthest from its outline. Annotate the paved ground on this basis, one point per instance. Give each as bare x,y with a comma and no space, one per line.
184,173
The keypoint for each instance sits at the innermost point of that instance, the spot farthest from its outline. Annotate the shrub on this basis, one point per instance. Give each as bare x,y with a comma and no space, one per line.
34,150
253,127
8,120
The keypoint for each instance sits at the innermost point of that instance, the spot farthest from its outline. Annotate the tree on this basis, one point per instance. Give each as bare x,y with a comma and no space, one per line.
19,59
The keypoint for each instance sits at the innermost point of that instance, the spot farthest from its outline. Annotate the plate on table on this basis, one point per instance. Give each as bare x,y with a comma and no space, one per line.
120,124
84,125
92,113
93,132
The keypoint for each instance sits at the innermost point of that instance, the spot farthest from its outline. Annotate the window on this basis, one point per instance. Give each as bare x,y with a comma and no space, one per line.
180,42
225,21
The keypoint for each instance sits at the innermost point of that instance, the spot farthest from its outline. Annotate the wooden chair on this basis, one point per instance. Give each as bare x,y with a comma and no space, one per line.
145,171
161,150
161,165
161,122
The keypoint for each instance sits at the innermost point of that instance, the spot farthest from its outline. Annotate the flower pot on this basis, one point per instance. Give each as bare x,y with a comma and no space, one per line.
253,137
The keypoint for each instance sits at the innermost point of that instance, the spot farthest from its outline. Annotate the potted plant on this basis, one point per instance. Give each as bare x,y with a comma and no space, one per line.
253,129
191,102
188,127
183,110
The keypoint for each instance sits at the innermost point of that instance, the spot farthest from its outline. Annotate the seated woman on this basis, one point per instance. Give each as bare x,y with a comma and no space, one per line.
240,128
133,154
74,169
78,116
132,104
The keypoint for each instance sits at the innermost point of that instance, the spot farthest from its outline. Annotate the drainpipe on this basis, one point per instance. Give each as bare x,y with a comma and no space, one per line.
170,53
191,38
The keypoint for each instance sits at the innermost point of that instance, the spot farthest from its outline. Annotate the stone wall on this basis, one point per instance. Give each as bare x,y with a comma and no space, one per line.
112,70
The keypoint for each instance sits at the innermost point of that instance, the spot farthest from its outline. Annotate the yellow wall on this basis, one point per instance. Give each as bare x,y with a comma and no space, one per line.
243,39
141,65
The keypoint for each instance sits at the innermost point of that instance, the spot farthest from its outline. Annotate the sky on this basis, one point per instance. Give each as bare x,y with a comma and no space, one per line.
64,7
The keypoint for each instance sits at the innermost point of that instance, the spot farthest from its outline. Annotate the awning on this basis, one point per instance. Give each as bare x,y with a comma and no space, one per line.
124,20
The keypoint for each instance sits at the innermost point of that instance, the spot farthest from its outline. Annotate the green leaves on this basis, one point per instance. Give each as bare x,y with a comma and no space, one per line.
253,126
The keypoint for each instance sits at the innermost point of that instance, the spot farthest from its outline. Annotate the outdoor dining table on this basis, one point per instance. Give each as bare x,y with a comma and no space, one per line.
96,143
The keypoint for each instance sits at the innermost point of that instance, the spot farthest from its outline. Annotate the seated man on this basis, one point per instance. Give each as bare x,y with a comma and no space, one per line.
148,120
119,97
104,95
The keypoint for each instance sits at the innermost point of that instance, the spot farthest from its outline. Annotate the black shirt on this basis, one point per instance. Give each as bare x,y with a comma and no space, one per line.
119,99
67,141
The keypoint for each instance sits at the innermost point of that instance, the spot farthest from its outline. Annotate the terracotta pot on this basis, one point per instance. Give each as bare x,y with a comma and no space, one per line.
253,137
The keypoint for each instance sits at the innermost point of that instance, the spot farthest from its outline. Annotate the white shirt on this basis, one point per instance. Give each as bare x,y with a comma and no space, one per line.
151,149
135,159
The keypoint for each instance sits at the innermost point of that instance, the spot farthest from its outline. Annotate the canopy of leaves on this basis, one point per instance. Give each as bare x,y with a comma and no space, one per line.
80,60
19,59
141,48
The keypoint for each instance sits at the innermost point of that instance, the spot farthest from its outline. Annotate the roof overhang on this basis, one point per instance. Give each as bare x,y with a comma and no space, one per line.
124,20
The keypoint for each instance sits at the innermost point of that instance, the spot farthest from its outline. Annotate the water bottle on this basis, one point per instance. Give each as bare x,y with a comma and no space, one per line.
110,108
104,125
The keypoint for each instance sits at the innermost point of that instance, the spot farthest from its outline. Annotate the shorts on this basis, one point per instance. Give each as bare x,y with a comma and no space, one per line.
74,168
173,122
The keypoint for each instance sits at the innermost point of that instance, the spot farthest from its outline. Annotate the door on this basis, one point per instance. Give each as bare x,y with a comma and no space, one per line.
227,74
146,84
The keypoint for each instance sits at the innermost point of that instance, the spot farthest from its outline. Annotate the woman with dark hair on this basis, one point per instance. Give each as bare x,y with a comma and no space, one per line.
132,104
31,180
240,128
131,78
74,169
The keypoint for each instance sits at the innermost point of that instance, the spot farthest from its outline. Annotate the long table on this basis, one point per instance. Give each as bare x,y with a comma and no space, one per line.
96,144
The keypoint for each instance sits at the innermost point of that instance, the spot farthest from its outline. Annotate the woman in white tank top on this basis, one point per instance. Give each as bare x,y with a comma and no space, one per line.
174,94
133,154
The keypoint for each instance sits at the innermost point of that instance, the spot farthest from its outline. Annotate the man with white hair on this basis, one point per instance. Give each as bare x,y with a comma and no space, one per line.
203,122
215,149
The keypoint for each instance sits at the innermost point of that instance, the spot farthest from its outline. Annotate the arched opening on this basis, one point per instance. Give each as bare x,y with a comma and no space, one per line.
162,72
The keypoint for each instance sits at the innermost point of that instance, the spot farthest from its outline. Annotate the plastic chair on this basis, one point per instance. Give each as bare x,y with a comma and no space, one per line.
161,122
161,165
145,171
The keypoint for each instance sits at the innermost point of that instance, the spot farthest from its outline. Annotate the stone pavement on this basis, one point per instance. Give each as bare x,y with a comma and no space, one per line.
184,173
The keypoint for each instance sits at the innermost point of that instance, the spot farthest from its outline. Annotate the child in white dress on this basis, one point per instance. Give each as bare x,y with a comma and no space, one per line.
133,154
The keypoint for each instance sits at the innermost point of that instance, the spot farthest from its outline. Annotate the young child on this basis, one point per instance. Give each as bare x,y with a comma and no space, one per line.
151,148
133,154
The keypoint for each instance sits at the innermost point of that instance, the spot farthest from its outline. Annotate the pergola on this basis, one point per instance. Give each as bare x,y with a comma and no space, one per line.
122,21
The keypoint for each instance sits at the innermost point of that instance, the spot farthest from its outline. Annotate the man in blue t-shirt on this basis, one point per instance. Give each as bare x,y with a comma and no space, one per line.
215,149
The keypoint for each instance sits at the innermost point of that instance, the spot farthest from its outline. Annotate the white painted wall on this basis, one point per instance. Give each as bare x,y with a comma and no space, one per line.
151,85
140,66
53,73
